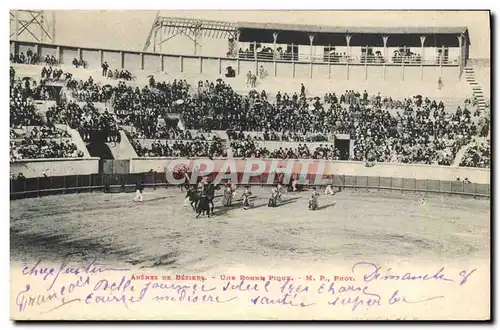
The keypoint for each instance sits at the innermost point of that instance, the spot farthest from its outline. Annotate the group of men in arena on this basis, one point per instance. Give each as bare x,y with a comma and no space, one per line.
201,195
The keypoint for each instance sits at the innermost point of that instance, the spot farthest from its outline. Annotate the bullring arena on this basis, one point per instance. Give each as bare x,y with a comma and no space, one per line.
163,233
401,116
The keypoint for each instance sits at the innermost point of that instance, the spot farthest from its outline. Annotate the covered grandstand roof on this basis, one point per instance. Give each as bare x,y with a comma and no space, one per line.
363,35
193,28
352,29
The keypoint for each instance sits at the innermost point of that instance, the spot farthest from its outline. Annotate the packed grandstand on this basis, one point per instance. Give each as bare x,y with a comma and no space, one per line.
211,119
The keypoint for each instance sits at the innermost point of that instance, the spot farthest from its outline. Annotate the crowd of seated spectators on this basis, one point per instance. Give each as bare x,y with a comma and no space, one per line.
32,89
30,58
406,56
89,91
145,108
420,132
22,110
423,135
194,148
277,136
172,132
247,148
122,74
78,63
52,74
477,155
336,57
86,118
31,148
110,74
46,132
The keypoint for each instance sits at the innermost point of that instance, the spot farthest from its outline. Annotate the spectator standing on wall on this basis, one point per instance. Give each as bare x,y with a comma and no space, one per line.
302,90
29,54
254,81
249,78
261,72
105,67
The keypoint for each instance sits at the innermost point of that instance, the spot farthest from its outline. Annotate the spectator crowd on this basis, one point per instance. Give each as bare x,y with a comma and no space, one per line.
194,148
413,130
477,155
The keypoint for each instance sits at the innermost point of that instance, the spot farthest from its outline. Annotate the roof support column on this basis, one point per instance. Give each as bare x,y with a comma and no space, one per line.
122,61
154,41
385,39
160,43
255,58
348,41
311,40
237,42
422,49
460,45
275,38
460,55
422,59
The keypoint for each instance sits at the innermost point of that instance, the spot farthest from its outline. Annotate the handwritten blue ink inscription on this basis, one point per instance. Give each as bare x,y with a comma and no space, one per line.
90,284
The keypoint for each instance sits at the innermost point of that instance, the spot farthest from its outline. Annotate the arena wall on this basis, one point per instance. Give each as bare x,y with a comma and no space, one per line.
173,63
33,168
386,170
82,175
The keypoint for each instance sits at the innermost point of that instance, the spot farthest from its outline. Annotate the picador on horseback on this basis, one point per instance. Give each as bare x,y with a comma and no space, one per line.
209,189
203,204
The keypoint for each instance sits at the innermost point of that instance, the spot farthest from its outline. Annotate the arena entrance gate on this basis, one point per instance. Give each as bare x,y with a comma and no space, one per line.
343,144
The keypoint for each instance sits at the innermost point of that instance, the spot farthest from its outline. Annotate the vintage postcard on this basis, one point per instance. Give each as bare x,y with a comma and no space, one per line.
250,165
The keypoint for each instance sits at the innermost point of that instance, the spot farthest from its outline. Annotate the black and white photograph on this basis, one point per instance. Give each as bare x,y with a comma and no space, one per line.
250,165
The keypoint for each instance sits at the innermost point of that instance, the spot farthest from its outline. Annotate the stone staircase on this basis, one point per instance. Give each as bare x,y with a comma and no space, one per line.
460,154
477,90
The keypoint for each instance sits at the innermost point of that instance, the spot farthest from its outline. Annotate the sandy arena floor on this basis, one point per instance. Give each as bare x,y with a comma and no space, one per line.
161,231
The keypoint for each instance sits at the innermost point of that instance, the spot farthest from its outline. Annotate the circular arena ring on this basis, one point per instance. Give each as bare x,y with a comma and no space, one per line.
81,221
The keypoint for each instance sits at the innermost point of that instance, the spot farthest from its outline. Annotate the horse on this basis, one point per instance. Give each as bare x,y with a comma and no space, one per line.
194,198
211,194
203,206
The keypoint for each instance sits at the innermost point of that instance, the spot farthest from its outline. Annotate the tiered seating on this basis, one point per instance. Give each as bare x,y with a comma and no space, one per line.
477,155
32,136
388,124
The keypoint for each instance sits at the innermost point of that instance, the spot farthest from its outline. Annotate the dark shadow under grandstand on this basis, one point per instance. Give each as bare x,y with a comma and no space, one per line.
99,149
